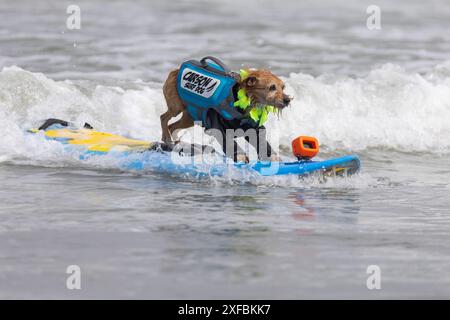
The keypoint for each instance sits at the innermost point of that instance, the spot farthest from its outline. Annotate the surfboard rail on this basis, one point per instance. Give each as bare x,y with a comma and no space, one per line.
156,155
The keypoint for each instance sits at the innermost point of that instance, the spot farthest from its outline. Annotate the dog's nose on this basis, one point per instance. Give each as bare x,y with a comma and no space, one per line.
286,101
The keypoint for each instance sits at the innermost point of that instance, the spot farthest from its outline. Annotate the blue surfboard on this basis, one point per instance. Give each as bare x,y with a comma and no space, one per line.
140,155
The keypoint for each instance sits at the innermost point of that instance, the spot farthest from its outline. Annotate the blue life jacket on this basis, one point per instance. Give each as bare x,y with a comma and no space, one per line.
204,85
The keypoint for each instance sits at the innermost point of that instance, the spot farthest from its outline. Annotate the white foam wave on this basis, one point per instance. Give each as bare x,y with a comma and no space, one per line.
390,108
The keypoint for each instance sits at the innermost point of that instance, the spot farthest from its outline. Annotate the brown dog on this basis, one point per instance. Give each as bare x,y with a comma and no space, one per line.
262,87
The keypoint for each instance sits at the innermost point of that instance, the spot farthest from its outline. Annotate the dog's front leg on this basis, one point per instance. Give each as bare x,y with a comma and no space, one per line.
165,117
184,123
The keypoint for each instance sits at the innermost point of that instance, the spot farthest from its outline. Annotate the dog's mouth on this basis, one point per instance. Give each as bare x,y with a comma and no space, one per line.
279,104
276,105
282,104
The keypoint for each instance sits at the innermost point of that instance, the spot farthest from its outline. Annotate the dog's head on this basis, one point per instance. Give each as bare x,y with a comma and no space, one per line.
263,87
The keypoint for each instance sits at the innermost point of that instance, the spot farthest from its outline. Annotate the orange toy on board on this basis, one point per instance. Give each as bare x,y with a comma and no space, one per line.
305,147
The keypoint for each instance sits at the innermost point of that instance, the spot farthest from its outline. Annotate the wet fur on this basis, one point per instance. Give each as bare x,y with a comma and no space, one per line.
262,86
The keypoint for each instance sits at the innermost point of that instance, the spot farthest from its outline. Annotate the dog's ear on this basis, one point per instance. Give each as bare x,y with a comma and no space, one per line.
251,81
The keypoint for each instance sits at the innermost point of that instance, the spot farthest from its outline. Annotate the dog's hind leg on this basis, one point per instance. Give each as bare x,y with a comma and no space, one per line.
184,122
174,105
165,117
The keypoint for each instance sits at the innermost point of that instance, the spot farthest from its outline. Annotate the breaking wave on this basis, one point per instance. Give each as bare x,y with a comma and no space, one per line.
389,108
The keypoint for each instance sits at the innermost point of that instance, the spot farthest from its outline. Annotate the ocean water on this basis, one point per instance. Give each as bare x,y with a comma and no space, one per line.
382,94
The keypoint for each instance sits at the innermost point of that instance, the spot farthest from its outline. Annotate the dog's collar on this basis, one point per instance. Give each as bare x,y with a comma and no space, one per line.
258,112
243,101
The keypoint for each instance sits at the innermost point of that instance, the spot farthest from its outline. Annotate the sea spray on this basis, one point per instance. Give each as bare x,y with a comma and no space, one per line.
389,108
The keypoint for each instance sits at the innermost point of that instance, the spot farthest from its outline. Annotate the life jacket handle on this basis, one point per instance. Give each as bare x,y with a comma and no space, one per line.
226,71
216,61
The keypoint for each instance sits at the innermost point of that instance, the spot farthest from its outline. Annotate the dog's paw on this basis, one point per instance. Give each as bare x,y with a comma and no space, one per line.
275,158
242,158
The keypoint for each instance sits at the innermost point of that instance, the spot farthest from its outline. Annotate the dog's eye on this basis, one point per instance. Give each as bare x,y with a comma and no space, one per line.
273,87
